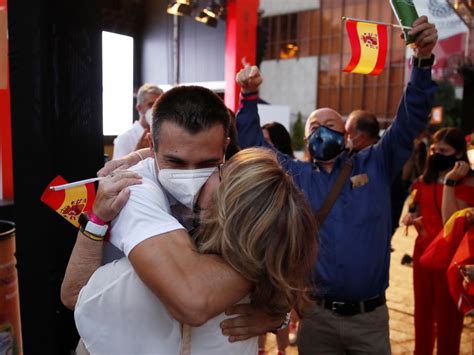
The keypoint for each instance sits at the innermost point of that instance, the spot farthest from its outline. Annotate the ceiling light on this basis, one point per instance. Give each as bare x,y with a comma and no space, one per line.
180,7
211,13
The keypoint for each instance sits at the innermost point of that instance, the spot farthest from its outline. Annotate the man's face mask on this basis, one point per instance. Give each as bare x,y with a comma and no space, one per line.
353,142
149,116
184,184
325,144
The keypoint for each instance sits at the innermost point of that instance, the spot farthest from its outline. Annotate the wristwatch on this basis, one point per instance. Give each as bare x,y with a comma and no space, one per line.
283,325
92,226
450,182
423,62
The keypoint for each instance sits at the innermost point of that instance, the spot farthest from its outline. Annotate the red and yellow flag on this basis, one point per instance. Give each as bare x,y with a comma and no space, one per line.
369,42
463,296
69,203
441,250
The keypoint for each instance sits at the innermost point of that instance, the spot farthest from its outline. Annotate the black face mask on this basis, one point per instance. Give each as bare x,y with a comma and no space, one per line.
325,143
440,162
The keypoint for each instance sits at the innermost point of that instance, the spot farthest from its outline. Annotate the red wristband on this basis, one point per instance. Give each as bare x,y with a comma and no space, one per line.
93,218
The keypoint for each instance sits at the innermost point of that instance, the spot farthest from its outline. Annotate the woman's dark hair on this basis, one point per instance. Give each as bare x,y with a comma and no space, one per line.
280,137
453,137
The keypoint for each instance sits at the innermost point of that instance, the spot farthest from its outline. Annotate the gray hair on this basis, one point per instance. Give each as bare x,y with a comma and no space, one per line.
147,89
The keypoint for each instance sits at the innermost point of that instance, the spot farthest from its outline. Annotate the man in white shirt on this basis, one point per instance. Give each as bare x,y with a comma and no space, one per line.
136,137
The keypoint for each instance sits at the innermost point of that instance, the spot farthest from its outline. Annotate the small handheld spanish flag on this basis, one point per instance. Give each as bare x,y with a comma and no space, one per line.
369,42
69,203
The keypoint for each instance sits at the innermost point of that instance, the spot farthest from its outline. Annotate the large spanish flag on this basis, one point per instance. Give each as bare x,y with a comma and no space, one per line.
441,250
369,42
69,203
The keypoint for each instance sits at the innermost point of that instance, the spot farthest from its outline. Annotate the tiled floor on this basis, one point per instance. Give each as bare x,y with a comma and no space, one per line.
400,303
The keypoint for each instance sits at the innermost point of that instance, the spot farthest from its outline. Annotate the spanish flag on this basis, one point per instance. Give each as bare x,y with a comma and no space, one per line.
369,42
440,252
69,203
463,295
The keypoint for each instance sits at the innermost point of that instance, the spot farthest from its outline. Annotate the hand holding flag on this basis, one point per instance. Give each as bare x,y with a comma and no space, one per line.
369,43
70,200
69,203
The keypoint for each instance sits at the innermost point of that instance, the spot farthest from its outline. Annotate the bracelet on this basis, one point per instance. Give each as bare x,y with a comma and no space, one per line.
92,236
450,182
283,325
94,218
139,154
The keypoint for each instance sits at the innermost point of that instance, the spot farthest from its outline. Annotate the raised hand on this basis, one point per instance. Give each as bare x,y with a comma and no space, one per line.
249,79
426,37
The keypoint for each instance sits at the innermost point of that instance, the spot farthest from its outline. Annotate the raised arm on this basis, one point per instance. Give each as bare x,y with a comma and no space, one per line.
249,130
415,107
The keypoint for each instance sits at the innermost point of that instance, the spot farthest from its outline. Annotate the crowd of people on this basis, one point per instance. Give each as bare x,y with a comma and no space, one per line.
220,235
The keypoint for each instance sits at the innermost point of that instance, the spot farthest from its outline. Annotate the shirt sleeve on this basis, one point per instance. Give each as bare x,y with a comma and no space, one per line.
250,134
122,146
395,147
146,214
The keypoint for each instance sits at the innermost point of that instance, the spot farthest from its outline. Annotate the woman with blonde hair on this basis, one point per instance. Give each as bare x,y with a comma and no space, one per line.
254,217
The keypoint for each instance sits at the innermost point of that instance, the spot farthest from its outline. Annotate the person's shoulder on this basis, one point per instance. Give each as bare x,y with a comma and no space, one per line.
146,168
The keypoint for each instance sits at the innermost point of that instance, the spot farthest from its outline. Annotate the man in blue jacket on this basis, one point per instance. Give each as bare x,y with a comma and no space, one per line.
352,269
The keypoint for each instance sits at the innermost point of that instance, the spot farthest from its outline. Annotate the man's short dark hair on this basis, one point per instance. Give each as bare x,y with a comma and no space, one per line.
366,122
193,108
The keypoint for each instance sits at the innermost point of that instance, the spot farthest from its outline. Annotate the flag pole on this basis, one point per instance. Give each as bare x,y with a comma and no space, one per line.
74,184
344,18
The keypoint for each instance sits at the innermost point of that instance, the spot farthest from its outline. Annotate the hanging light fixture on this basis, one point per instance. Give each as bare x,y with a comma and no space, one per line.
211,13
180,7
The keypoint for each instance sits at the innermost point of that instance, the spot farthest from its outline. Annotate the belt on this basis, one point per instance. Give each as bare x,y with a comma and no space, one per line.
351,308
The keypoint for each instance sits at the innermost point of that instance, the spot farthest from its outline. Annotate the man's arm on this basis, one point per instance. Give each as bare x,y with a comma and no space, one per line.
194,287
86,256
415,107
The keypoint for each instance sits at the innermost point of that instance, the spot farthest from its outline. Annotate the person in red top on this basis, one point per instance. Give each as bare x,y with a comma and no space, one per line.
436,315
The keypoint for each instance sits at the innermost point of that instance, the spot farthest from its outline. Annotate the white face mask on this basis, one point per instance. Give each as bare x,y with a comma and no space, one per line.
184,184
149,117
350,142
470,157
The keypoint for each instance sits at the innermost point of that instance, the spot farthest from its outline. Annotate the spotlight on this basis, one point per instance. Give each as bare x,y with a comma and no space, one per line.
211,13
180,7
